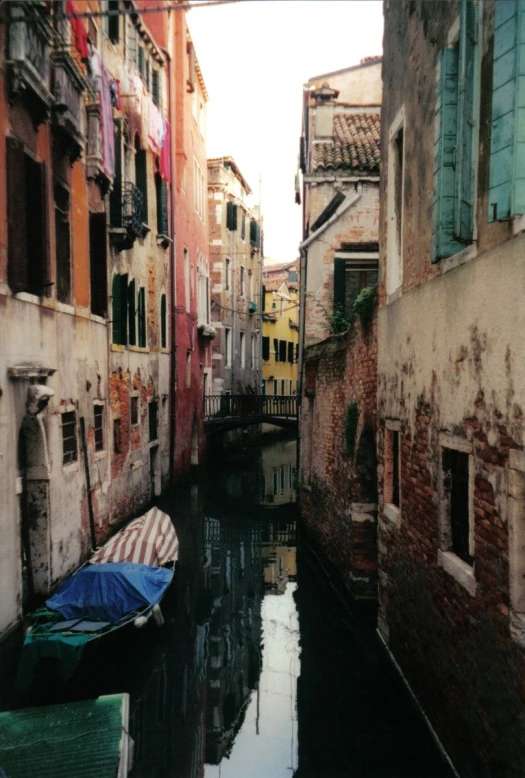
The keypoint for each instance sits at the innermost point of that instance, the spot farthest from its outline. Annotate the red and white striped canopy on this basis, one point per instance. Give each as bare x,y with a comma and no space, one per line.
149,540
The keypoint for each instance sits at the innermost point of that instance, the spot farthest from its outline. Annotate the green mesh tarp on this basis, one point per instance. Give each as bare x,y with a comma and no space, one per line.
80,739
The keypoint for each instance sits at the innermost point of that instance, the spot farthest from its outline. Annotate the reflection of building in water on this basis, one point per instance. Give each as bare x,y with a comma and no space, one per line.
278,468
233,572
279,555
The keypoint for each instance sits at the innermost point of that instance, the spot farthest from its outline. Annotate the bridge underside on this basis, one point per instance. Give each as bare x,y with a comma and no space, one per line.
216,426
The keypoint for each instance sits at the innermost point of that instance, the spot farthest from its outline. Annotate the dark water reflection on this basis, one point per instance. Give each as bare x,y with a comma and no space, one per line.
258,672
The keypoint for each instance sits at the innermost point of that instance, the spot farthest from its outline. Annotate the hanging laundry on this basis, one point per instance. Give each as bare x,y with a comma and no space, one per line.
106,120
157,128
93,66
165,154
79,31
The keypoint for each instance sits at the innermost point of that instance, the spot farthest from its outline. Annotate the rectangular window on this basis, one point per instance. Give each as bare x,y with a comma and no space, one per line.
132,313
99,427
457,127
253,352
290,352
26,223
69,437
282,387
155,87
153,413
141,61
458,532
161,192
227,347
266,349
163,322
187,278
250,275
62,243
119,309
98,263
188,369
113,21
131,42
242,283
242,348
134,410
231,216
282,351
141,179
507,141
263,387
353,272
141,316
117,437
227,274
243,226
276,349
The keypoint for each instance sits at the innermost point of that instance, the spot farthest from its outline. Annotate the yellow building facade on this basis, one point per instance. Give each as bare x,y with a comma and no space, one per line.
280,329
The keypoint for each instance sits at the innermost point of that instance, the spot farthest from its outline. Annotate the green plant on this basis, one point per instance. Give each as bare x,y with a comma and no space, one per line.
364,305
350,428
339,320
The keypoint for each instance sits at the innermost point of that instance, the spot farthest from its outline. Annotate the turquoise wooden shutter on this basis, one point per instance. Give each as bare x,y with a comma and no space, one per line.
467,130
132,321
141,315
507,143
443,243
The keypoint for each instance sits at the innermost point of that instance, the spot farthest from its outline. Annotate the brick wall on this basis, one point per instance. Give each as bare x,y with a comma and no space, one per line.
338,489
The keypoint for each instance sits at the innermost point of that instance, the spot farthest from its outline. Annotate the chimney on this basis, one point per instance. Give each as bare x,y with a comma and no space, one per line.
324,100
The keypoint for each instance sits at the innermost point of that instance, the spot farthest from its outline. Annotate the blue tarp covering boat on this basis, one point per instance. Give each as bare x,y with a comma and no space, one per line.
109,591
123,583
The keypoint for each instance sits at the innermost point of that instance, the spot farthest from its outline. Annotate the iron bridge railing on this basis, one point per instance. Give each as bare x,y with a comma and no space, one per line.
217,406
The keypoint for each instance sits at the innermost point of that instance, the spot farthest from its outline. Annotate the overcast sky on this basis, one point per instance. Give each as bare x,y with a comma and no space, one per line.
255,56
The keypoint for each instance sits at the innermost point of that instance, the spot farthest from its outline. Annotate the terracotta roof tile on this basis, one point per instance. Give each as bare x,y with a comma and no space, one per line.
355,146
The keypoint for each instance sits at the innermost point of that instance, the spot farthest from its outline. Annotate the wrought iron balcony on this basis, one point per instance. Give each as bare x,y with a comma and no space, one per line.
132,209
29,54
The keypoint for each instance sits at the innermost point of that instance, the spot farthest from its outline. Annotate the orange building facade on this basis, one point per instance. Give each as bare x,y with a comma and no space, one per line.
102,233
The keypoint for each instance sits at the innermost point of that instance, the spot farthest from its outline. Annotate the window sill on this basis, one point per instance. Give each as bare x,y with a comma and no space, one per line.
65,308
153,443
139,349
100,455
164,240
136,465
456,260
395,295
458,569
393,514
517,627
72,467
117,347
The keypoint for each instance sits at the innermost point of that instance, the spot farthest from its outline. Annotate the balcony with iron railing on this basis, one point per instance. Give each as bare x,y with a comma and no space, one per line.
29,40
126,214
68,82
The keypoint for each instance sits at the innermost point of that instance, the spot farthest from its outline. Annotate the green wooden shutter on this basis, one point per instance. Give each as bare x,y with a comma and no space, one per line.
507,143
266,349
339,284
132,319
276,348
98,263
116,307
231,216
443,243
467,128
141,181
162,206
142,317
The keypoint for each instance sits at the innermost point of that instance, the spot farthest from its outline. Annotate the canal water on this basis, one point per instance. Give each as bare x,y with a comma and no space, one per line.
260,671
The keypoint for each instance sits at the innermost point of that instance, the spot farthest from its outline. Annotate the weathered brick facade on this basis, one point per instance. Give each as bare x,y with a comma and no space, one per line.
338,497
450,413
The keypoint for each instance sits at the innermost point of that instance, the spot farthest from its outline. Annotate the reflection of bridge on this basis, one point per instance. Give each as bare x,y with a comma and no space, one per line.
224,412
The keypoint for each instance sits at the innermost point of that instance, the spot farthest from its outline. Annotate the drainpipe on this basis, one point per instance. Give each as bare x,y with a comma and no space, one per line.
173,276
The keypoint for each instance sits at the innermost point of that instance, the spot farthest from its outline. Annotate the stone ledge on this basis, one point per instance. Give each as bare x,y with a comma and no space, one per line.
458,569
392,513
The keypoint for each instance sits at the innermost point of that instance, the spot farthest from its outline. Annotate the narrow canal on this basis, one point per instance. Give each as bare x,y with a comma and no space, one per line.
259,671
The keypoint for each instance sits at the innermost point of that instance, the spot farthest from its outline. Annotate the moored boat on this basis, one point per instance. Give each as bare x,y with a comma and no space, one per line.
123,583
